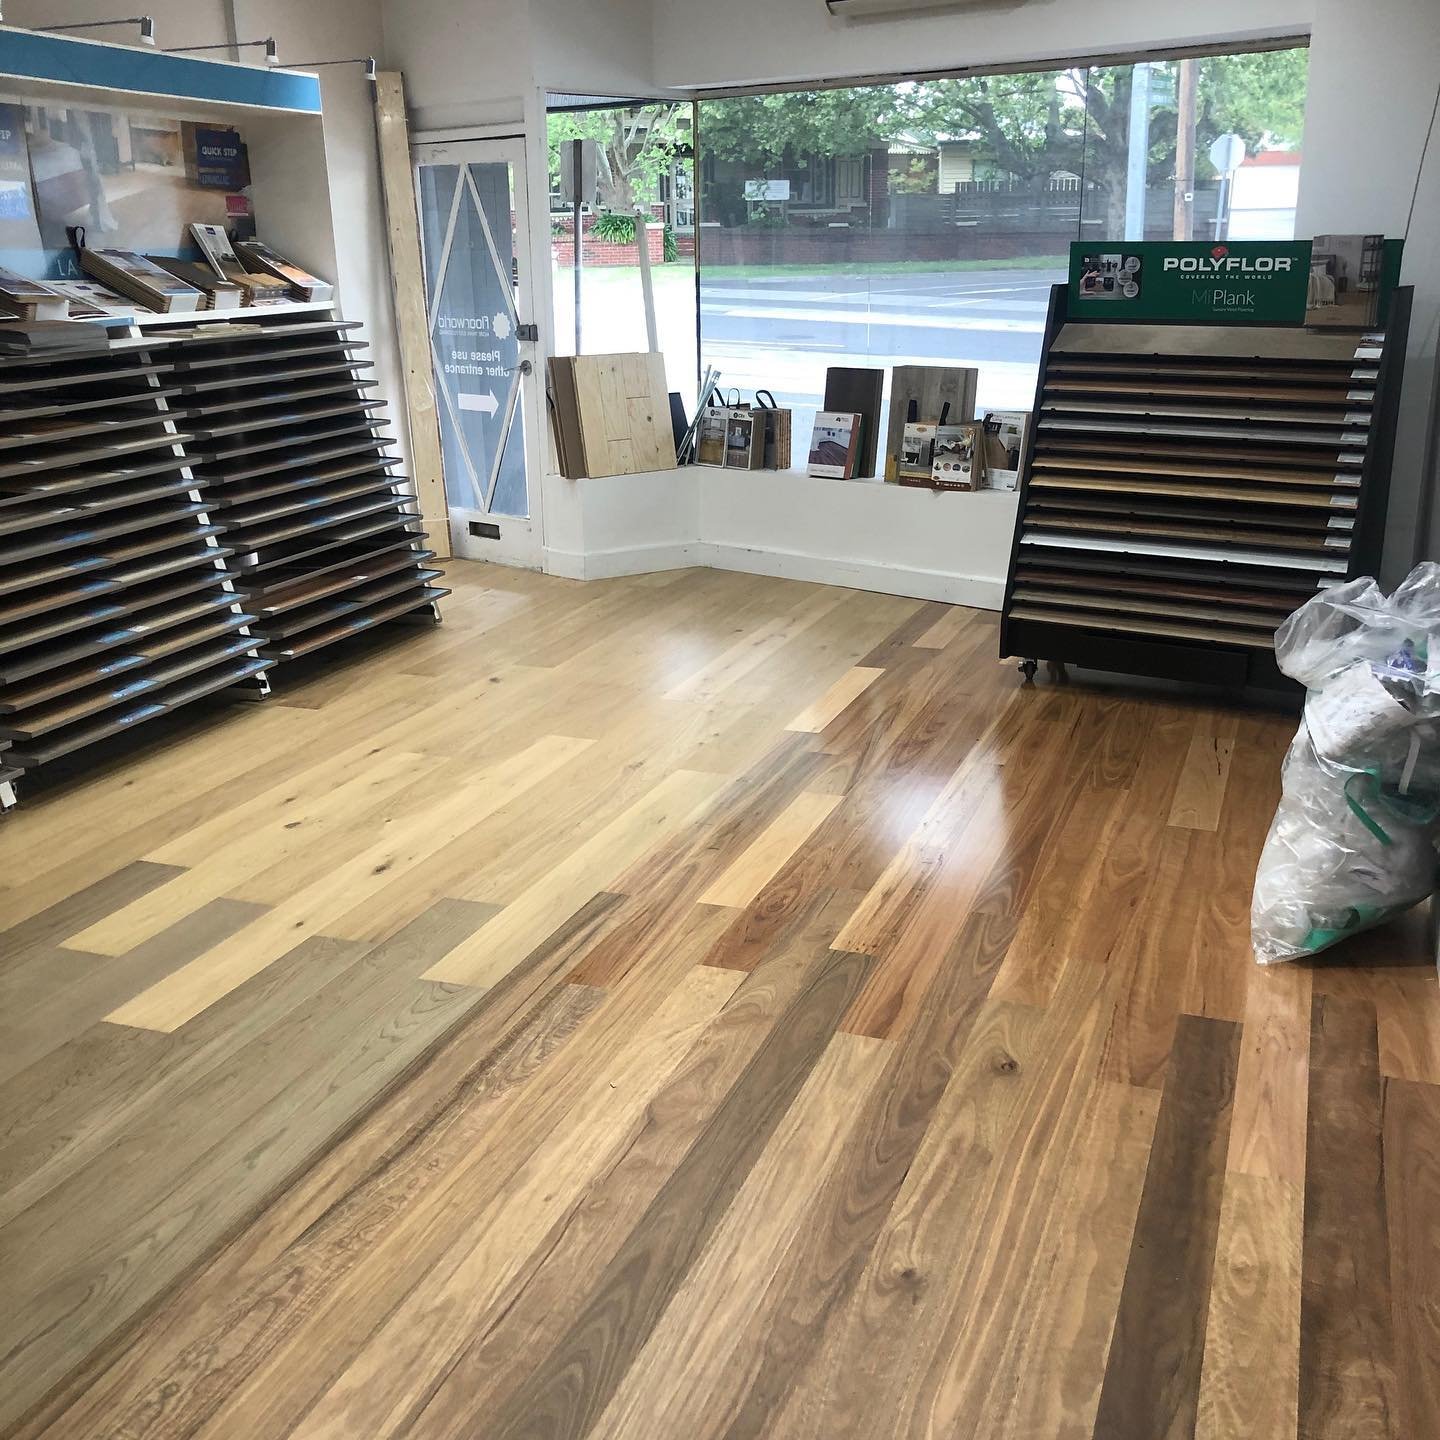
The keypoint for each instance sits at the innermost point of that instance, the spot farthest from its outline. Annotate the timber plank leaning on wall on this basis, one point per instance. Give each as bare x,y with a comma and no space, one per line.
411,326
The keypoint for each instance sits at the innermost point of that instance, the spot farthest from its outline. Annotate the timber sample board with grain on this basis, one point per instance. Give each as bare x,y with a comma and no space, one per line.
701,1005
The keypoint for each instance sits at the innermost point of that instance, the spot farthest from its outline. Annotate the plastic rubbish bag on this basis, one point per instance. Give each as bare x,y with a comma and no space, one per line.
1353,839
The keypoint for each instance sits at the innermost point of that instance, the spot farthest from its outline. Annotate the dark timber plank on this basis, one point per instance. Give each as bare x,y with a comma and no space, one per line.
1411,1138
572,1384
1347,1355
1152,1378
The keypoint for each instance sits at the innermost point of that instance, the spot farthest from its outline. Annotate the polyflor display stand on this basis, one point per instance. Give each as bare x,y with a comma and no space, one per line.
1188,486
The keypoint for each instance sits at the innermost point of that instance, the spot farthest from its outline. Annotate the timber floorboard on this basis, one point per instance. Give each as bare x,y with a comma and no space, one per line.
700,1007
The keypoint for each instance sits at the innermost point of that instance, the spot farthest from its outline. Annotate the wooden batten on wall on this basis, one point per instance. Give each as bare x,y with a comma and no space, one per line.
411,327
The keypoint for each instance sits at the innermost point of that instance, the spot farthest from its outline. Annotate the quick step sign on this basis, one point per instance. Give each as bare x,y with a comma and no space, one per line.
1240,282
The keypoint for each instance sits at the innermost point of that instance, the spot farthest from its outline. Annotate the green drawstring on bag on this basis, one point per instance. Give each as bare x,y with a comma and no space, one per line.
1413,810
1357,917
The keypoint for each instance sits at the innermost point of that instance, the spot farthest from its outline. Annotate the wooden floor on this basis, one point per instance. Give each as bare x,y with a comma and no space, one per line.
696,1006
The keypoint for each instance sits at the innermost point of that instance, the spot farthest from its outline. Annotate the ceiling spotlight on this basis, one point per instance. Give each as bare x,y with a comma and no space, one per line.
368,61
272,51
145,22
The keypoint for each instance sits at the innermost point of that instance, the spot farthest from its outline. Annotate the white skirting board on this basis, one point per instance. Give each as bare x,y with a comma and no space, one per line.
981,594
629,560
918,543
887,579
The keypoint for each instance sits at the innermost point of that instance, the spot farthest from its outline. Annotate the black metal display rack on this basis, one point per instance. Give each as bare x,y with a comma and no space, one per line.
182,510
285,439
1188,486
117,600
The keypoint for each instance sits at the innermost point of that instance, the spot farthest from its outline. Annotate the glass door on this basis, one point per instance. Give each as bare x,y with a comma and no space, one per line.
473,218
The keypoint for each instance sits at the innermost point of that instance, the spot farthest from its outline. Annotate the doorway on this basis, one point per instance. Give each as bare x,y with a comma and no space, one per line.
473,211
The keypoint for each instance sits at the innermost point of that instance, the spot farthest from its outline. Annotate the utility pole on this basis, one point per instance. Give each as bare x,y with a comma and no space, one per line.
1187,92
577,150
1137,160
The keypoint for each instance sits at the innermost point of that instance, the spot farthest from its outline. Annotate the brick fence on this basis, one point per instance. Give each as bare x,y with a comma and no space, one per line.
601,252
795,245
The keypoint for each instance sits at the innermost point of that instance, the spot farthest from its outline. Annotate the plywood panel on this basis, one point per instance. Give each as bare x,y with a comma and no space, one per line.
623,411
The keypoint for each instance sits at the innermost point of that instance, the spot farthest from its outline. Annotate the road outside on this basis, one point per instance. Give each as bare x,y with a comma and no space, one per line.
779,329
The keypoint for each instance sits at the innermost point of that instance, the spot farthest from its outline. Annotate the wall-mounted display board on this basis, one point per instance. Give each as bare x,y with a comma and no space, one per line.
1189,485
134,145
117,594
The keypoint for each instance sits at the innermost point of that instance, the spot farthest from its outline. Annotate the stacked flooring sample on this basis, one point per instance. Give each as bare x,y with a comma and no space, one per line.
1189,486
286,445
117,601
182,509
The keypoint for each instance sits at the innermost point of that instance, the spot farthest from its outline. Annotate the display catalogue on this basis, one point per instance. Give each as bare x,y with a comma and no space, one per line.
834,443
262,259
89,300
959,457
917,451
219,253
1005,432
28,299
710,438
219,294
142,280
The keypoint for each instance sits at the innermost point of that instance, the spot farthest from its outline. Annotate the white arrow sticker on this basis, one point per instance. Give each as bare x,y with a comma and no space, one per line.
469,400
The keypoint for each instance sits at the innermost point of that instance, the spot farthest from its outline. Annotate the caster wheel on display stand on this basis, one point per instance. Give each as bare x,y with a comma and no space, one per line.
1028,669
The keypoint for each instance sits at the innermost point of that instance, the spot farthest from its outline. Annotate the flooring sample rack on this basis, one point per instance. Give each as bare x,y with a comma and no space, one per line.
1188,486
183,511
117,594
286,440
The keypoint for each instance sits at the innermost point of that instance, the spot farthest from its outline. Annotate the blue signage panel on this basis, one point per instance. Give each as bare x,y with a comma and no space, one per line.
28,55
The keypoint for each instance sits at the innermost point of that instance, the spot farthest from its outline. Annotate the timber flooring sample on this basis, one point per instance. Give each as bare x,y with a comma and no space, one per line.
932,388
618,408
711,1006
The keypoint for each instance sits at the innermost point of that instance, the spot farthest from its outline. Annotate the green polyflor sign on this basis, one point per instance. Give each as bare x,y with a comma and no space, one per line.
1236,282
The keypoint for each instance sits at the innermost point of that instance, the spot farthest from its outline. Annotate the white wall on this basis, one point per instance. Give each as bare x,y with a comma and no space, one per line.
1373,76
340,30
746,41
177,22
465,62
478,64
902,541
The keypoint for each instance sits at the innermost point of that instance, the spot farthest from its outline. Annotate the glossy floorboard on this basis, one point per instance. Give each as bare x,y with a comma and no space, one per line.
696,1006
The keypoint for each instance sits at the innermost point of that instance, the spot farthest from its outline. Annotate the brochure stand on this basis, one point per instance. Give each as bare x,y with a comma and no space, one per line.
1189,485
